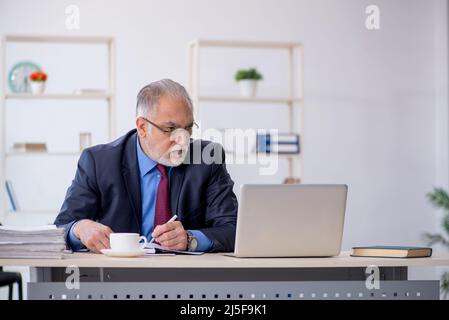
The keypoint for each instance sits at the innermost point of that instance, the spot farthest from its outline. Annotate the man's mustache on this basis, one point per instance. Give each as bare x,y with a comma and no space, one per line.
179,147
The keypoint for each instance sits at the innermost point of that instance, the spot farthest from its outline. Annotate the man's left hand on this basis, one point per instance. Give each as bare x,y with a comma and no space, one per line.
171,235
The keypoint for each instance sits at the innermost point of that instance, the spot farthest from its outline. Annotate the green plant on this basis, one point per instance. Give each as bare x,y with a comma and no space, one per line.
440,199
249,74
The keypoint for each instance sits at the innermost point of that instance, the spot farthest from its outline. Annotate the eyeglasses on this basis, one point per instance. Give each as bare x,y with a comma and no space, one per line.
170,130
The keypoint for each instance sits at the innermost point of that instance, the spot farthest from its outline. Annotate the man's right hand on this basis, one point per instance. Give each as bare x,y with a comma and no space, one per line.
94,235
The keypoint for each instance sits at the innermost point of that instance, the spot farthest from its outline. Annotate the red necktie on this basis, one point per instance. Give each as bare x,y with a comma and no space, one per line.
162,212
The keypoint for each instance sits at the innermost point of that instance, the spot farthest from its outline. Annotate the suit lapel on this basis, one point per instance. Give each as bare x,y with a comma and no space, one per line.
176,180
130,172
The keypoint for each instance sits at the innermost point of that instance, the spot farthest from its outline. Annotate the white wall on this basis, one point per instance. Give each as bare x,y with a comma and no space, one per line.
373,99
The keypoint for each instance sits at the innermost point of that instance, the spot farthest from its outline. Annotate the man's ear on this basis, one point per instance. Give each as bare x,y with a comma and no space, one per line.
141,127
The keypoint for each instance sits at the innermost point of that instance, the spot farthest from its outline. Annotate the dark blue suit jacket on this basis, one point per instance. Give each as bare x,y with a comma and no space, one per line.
106,189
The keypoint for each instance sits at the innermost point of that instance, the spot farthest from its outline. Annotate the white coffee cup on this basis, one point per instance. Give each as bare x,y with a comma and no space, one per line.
127,242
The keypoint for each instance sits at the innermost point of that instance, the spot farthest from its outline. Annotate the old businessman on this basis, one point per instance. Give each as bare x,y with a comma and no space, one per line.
139,181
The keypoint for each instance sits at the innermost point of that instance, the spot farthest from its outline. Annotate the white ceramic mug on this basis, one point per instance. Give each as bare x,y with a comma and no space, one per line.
127,242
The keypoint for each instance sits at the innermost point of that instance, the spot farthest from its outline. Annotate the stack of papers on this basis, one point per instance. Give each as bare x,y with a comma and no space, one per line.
46,242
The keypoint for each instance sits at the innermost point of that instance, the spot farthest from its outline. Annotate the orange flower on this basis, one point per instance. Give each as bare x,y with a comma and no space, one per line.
38,76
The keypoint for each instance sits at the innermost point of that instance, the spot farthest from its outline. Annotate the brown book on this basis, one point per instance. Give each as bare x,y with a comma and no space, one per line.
30,147
391,252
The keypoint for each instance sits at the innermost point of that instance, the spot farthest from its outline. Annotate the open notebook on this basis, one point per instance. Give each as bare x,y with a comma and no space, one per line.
153,248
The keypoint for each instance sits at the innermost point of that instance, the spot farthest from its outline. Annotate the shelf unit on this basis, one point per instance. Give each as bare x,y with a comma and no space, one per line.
108,96
295,88
42,154
46,96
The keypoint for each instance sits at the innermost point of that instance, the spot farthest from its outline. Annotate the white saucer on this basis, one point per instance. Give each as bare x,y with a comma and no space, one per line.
112,253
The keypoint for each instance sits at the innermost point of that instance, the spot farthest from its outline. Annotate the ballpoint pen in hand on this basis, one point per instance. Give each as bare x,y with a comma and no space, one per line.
171,220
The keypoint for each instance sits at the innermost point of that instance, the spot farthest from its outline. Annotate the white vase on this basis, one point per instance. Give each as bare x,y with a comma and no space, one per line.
248,87
37,87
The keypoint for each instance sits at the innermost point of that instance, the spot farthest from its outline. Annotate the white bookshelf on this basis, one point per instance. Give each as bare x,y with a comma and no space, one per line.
294,98
247,100
42,154
47,96
108,96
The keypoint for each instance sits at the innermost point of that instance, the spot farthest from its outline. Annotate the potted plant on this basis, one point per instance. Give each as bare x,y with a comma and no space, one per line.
440,199
247,80
38,82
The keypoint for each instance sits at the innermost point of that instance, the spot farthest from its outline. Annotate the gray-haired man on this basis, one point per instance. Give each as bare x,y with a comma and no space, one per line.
139,181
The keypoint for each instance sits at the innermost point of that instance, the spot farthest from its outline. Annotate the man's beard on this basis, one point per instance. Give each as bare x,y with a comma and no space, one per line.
174,157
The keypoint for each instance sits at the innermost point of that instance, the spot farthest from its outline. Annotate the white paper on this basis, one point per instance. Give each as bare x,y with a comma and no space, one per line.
39,228
32,242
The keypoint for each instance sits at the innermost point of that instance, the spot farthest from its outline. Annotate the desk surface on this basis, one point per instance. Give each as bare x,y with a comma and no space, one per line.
217,260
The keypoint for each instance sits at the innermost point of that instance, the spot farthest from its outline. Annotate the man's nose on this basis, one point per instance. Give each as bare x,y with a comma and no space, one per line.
181,136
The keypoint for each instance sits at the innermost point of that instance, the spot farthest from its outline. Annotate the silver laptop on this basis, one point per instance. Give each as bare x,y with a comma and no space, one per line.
290,220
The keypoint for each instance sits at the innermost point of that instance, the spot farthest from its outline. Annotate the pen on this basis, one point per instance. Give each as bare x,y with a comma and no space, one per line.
171,220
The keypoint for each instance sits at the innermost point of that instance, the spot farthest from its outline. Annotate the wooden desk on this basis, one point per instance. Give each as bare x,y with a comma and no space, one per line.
215,276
